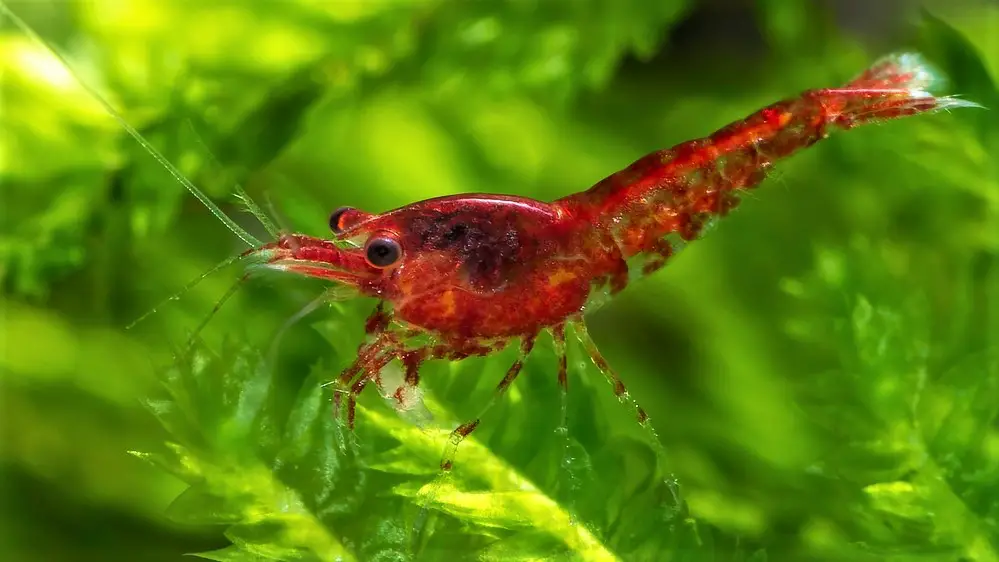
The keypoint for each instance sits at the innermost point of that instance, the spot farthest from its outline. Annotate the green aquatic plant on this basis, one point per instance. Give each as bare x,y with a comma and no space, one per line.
821,369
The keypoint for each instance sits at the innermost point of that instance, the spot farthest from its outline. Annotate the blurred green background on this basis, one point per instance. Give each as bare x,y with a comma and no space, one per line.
822,368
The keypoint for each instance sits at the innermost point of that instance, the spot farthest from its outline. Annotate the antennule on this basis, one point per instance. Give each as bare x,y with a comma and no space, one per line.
188,287
241,193
218,306
229,223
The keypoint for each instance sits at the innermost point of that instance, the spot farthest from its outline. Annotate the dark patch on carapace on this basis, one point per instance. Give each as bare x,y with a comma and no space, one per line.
490,248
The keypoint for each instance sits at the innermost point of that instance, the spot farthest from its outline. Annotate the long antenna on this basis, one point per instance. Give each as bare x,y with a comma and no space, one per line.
245,236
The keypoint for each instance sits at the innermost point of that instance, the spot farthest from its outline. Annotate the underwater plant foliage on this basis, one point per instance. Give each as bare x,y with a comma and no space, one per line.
821,368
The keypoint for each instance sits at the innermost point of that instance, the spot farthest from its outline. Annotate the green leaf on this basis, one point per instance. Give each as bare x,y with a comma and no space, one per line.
289,483
917,411
232,554
226,425
259,138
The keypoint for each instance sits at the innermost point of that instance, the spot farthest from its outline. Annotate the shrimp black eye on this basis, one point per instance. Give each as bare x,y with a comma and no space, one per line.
382,252
336,223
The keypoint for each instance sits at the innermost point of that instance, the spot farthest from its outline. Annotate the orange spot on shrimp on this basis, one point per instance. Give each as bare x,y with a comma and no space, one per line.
448,303
561,277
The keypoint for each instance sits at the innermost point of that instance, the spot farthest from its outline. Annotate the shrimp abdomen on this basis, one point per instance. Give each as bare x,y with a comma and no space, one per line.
667,197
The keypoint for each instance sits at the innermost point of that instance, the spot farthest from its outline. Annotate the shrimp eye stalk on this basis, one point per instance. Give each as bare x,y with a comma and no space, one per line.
336,219
381,252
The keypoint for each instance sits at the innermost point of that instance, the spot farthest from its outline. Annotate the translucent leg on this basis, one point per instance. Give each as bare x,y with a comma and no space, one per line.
558,337
406,397
622,394
659,254
371,358
368,373
568,482
462,431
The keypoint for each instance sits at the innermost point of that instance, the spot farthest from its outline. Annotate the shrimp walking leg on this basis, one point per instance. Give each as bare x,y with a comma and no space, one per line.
406,394
622,394
369,373
660,251
462,431
371,358
558,339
